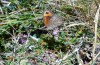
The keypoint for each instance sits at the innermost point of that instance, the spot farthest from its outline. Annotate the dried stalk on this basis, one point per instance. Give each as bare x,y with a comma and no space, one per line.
96,25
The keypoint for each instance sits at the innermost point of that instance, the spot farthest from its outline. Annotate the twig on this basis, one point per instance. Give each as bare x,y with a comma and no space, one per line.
5,2
34,38
1,10
96,25
78,58
6,31
97,55
68,55
15,12
76,24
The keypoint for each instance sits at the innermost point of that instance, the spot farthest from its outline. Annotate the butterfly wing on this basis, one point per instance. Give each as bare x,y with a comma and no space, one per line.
54,22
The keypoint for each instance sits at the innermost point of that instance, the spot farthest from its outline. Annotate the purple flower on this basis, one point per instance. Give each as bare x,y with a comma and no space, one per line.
52,55
45,59
22,38
55,31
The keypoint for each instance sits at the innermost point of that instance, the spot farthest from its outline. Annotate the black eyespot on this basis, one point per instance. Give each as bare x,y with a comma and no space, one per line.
47,12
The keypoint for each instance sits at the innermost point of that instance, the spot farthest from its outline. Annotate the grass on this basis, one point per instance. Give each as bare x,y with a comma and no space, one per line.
23,42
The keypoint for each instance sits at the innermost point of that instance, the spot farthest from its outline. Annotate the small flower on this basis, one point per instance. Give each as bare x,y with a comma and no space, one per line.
45,59
52,55
22,38
55,31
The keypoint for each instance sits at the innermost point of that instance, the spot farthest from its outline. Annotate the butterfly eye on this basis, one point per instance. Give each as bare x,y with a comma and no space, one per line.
47,12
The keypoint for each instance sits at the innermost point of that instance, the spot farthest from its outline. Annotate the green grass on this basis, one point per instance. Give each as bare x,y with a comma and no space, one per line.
23,18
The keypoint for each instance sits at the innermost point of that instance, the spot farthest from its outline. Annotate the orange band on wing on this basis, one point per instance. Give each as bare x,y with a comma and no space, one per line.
46,21
47,15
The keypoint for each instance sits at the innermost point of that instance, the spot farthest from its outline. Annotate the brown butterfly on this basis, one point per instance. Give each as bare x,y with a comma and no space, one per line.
51,20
